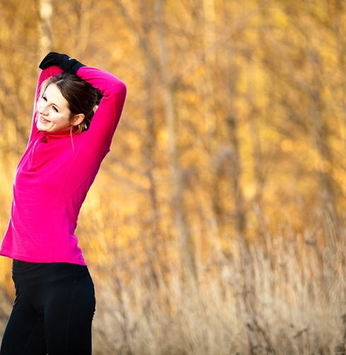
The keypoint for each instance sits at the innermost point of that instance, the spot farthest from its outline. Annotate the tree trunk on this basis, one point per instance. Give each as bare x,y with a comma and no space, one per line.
176,177
45,27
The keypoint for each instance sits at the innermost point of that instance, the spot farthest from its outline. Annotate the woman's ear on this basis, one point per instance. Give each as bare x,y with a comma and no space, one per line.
78,119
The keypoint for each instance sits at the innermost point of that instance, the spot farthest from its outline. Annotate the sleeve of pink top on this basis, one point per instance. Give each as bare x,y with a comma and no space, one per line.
107,115
44,75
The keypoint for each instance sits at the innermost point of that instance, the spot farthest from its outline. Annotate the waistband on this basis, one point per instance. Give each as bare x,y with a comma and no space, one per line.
20,264
41,273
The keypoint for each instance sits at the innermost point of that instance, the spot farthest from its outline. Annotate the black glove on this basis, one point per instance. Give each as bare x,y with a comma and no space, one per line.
66,63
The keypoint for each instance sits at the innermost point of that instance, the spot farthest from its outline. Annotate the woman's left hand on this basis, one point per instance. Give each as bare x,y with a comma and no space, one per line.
68,64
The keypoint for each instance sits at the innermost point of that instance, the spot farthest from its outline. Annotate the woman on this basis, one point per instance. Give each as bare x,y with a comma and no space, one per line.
55,301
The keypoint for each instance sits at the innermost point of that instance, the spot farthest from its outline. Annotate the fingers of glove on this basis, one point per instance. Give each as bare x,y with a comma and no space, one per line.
54,58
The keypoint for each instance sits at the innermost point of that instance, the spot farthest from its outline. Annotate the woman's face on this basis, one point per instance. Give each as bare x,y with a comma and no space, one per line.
53,112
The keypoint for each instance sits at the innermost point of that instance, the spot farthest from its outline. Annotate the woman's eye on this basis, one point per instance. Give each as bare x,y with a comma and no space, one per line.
44,98
55,109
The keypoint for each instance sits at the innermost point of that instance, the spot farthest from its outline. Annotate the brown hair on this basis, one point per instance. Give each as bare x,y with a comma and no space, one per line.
80,96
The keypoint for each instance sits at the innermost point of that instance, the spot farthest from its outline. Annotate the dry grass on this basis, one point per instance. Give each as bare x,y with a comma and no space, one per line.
286,301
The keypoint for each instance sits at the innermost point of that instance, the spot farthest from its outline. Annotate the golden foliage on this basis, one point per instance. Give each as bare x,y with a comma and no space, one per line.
228,166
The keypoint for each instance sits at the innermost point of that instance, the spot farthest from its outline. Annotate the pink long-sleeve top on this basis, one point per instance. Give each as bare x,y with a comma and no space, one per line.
55,174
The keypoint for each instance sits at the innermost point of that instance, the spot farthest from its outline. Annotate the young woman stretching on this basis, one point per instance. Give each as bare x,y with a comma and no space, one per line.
55,300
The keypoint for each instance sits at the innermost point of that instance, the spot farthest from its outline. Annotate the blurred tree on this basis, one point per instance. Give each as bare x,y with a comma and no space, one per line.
46,40
177,182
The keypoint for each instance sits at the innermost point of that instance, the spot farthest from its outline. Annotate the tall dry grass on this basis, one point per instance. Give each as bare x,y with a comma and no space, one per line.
285,299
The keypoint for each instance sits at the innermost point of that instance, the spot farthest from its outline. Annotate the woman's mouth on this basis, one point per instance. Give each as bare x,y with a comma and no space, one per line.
43,120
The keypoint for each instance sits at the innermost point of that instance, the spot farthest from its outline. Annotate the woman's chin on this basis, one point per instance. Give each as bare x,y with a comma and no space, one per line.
42,127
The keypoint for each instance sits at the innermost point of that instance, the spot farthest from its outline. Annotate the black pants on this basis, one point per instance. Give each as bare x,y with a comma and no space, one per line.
52,312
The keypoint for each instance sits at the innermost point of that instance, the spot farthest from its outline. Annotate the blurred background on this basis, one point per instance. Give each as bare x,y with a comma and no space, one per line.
216,224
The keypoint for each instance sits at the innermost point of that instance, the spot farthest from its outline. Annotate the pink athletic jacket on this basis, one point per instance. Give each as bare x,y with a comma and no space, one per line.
54,176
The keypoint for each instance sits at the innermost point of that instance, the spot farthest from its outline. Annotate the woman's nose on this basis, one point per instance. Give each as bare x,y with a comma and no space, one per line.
42,109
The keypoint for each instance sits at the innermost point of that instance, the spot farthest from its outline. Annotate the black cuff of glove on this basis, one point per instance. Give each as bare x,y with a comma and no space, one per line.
68,64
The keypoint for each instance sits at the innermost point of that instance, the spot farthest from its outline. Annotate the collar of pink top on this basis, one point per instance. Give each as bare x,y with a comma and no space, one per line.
49,136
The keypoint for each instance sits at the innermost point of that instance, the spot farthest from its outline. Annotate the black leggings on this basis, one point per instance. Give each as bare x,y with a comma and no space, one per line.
52,312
